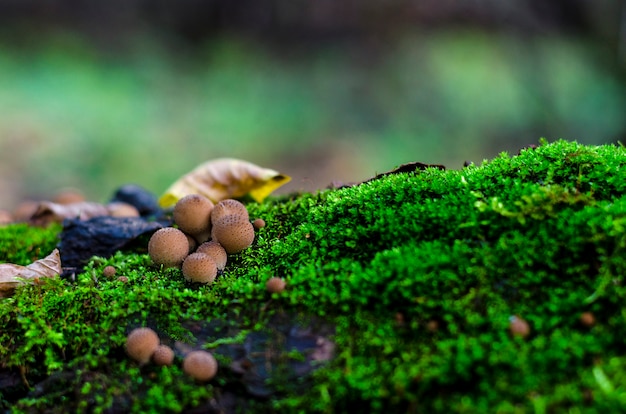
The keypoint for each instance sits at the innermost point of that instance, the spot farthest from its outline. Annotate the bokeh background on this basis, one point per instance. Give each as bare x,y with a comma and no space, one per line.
96,94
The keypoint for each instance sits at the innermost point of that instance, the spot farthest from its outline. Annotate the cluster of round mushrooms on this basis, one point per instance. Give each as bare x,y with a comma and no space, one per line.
143,345
205,235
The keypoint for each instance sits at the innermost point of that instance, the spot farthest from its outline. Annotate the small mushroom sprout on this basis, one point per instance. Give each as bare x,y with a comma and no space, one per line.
275,285
163,355
519,327
200,365
258,223
141,344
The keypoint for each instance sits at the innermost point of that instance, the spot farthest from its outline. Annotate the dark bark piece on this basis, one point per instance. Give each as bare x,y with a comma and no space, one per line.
100,236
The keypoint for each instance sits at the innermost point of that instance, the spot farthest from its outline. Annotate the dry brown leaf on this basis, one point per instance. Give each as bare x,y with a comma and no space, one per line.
225,178
12,275
48,212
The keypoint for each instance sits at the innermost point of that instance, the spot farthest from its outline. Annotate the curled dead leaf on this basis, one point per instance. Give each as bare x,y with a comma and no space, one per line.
48,212
12,275
225,178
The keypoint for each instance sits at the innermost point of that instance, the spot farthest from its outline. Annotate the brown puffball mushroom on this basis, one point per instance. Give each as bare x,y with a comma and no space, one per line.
233,232
258,223
518,326
119,209
108,271
163,355
141,344
216,251
168,247
587,319
200,365
432,325
192,214
199,268
275,285
228,207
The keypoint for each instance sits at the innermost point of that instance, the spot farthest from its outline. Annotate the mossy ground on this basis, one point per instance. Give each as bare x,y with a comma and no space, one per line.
417,273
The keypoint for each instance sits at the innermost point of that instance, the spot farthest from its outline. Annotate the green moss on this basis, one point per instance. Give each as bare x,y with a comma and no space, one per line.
418,273
22,244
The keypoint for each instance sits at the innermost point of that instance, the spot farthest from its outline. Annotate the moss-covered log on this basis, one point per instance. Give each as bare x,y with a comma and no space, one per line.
400,295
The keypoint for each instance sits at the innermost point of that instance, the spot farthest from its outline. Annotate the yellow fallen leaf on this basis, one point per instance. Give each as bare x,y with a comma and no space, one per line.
12,275
225,178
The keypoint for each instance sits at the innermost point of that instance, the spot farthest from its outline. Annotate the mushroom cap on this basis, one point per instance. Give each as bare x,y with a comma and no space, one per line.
518,326
227,207
109,271
200,365
121,209
275,284
216,251
163,355
258,223
141,344
168,247
588,319
200,268
192,214
233,232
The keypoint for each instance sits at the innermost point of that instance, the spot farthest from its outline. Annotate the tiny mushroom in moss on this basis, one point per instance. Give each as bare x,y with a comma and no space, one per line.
192,214
163,355
587,319
109,271
199,268
275,285
228,207
258,223
200,365
141,344
122,279
216,251
168,247
233,232
432,325
519,327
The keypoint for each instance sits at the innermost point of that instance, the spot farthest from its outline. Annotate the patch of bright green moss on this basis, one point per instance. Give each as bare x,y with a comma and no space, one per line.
419,273
22,244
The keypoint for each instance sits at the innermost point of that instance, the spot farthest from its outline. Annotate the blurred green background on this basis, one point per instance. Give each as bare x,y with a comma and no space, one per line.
94,95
